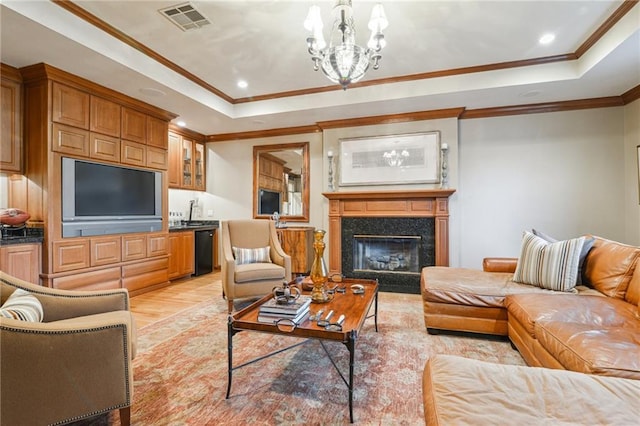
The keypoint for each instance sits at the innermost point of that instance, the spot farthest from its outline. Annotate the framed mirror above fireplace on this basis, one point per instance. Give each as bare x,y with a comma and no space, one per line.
281,181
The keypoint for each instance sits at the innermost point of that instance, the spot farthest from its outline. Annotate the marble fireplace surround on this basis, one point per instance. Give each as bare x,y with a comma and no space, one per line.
432,203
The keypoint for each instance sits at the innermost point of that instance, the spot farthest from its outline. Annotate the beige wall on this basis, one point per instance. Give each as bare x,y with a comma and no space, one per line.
562,173
566,173
632,174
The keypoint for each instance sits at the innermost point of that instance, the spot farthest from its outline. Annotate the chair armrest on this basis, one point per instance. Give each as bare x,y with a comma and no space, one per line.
63,304
86,361
499,264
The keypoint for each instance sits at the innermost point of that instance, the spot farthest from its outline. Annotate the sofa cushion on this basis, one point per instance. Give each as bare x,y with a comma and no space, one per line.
588,244
553,266
251,255
470,287
610,266
594,311
593,349
22,305
462,391
258,272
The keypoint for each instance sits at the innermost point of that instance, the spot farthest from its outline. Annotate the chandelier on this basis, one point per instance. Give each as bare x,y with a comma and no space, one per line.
344,62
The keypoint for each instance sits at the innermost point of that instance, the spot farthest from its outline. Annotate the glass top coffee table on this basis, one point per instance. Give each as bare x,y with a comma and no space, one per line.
353,305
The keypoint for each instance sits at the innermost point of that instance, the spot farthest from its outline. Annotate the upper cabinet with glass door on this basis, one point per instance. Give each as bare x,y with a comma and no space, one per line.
187,161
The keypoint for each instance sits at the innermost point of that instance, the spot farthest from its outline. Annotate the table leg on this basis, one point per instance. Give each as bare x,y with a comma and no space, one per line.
375,314
351,345
230,333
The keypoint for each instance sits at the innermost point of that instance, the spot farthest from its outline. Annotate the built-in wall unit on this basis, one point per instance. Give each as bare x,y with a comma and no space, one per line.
95,181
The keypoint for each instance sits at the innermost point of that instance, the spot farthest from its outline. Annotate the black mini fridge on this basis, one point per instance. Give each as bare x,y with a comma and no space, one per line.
203,252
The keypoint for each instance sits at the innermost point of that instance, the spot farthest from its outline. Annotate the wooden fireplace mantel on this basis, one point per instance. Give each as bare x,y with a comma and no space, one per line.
409,203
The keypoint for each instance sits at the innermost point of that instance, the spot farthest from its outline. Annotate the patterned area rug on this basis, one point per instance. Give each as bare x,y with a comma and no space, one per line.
181,371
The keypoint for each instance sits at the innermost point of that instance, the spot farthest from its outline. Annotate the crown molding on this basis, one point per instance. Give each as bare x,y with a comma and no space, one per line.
70,6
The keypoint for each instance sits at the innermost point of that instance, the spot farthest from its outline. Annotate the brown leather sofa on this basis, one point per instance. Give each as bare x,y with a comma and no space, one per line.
594,330
75,364
461,391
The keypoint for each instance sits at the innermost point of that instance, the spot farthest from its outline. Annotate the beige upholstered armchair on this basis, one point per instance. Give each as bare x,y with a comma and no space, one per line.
74,364
250,272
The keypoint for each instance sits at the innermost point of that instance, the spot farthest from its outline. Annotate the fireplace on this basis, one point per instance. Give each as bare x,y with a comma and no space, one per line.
391,249
388,236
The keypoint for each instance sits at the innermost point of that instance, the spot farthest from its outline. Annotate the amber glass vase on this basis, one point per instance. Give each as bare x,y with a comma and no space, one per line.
319,273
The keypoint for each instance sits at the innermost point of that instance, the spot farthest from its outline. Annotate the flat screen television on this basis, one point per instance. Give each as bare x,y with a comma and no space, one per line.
107,199
268,202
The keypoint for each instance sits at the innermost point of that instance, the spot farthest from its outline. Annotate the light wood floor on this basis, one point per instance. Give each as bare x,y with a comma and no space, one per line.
181,294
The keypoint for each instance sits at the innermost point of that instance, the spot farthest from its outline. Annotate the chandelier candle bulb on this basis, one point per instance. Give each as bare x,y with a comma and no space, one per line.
444,146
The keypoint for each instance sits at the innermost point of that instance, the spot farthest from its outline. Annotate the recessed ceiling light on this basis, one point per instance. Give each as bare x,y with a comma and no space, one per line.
181,123
529,94
547,38
150,91
242,84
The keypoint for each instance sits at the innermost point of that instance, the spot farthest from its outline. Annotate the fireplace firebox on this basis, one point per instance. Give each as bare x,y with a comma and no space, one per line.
389,253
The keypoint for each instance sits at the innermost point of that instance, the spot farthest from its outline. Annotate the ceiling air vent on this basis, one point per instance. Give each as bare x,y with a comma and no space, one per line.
185,16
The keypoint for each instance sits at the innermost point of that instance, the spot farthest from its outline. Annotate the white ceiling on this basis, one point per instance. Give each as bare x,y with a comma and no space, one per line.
263,42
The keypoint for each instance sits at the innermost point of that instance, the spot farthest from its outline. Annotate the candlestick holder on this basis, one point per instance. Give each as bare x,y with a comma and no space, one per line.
330,157
444,150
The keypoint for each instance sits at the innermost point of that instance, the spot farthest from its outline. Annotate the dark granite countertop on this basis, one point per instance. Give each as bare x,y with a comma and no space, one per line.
196,225
23,236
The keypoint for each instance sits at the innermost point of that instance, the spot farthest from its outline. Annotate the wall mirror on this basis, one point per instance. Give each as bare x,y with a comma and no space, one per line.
281,181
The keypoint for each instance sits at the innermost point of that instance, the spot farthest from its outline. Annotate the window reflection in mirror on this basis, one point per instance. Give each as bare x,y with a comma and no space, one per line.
281,181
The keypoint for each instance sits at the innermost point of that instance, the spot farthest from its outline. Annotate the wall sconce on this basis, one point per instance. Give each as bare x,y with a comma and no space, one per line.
444,149
330,157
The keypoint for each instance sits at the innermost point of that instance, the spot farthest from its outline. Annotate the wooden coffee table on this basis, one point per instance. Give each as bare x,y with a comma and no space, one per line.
355,307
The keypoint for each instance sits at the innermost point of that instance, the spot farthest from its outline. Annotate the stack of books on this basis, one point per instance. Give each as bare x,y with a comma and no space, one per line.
297,312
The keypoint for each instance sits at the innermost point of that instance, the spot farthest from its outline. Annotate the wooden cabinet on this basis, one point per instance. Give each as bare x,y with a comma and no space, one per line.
198,167
297,242
133,153
105,250
11,120
117,134
70,140
181,254
157,132
102,279
187,161
175,146
71,254
105,117
68,116
156,158
157,244
104,147
187,164
21,261
134,246
134,126
70,106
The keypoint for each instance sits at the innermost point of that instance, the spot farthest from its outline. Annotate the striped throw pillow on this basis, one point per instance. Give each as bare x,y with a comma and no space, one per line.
553,266
251,255
22,305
